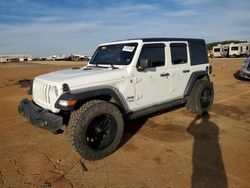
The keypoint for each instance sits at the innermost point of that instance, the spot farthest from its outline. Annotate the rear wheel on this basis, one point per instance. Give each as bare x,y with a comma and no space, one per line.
95,130
201,97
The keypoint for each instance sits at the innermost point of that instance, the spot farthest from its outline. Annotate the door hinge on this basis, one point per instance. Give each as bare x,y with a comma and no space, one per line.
137,80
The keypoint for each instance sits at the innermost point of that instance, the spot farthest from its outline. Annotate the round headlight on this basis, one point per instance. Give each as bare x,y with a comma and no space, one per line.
53,93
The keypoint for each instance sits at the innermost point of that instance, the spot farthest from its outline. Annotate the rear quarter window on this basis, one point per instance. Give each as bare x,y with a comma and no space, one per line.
178,53
198,53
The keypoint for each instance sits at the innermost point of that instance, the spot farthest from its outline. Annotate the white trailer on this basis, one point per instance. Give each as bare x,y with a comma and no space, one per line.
57,57
234,50
15,57
217,51
3,60
225,50
245,49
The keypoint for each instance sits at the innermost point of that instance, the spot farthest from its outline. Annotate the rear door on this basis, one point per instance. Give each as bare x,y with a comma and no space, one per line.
179,67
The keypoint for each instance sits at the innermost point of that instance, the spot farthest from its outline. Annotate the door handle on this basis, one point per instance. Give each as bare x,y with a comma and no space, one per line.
186,71
164,74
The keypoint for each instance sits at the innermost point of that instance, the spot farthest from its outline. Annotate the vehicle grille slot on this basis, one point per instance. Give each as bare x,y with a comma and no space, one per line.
41,92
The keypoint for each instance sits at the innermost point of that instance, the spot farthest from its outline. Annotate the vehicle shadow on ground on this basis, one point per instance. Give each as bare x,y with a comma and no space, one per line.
25,83
208,166
131,127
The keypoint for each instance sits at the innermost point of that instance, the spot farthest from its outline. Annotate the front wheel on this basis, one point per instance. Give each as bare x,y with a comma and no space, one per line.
201,97
95,129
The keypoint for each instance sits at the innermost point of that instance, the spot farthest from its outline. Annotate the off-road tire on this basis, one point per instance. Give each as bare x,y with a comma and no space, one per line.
194,103
80,121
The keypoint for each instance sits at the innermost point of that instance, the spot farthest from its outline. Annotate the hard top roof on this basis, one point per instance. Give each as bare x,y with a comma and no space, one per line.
170,39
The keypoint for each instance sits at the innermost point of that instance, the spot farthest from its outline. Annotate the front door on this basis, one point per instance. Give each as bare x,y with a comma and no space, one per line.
152,83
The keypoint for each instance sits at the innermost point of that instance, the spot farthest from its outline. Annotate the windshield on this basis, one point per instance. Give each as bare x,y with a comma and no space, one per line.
115,54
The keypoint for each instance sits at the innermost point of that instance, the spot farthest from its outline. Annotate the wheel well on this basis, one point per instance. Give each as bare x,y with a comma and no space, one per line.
205,77
192,81
107,98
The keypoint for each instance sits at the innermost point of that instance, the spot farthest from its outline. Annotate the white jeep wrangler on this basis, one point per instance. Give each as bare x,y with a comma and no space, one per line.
123,80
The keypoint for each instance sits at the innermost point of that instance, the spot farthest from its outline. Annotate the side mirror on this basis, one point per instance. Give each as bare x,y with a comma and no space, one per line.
144,63
179,61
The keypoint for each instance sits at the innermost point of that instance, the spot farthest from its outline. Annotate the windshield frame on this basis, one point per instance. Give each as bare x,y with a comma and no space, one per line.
135,44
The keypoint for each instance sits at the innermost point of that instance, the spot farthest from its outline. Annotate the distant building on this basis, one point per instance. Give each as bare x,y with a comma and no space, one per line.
78,57
57,57
3,59
40,59
15,58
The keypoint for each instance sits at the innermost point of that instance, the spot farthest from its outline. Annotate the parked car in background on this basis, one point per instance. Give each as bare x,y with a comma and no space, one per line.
245,69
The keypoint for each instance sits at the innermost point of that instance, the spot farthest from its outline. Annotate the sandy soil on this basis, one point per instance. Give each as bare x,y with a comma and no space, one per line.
173,149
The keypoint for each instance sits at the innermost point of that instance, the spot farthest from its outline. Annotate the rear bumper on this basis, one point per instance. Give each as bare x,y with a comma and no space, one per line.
38,116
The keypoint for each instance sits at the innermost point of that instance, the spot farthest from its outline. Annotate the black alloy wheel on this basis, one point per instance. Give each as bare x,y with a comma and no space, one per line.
101,132
95,130
205,99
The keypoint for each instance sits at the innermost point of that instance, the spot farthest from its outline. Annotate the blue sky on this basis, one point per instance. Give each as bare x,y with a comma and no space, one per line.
45,27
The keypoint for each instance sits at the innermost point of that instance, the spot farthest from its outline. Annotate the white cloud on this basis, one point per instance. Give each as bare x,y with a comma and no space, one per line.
183,13
193,2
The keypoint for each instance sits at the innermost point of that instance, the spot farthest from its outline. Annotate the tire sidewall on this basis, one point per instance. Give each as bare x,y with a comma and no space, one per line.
84,121
202,85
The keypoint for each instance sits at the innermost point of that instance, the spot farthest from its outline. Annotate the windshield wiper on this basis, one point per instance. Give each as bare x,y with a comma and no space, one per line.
113,67
96,65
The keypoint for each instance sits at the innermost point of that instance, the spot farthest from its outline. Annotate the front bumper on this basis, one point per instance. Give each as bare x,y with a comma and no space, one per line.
38,116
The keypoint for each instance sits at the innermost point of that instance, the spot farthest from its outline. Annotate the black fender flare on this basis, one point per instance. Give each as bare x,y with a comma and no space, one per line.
92,93
192,80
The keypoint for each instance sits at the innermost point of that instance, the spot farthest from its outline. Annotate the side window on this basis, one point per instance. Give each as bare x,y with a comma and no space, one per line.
178,53
155,53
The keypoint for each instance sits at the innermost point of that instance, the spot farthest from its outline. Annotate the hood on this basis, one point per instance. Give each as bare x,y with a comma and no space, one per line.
84,76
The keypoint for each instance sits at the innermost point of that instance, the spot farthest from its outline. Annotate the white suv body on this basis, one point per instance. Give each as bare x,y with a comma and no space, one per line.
139,89
123,80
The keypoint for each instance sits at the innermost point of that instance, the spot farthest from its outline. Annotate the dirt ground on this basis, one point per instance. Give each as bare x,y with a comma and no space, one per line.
173,149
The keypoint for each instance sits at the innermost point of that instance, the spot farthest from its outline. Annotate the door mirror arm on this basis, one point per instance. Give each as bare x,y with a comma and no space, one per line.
143,64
